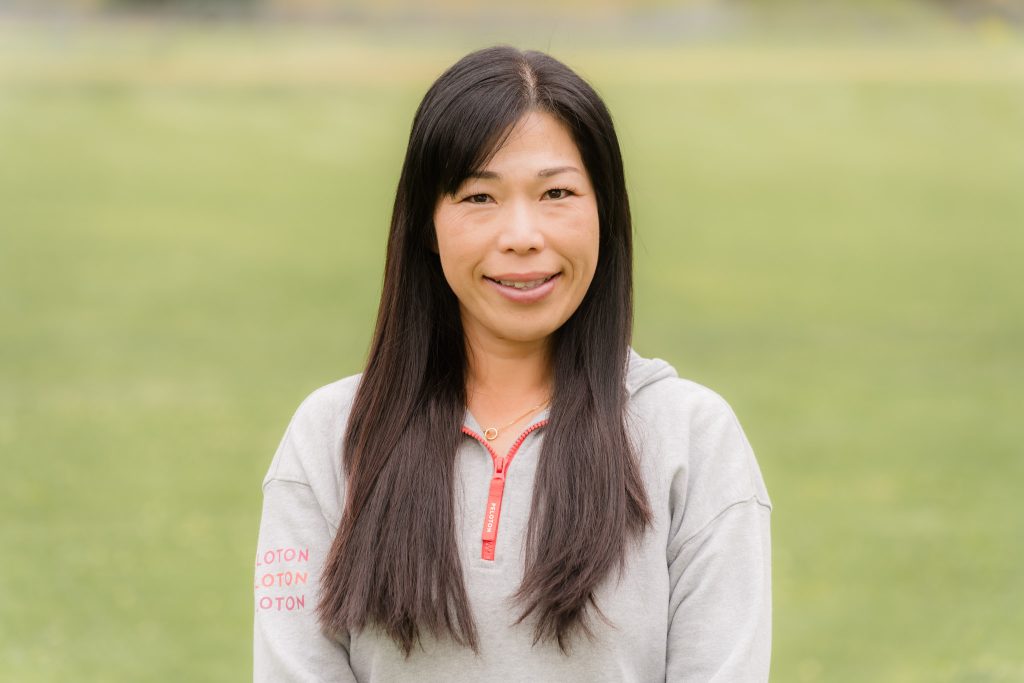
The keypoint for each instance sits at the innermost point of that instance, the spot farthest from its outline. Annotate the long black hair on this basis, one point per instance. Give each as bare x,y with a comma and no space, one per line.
395,562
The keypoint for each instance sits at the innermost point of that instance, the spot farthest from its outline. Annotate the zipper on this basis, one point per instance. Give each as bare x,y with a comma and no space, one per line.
492,512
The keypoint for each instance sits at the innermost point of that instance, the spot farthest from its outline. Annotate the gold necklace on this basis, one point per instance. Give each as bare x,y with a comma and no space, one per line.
491,433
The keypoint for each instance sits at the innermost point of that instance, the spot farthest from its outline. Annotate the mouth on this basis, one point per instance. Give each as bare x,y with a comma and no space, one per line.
523,284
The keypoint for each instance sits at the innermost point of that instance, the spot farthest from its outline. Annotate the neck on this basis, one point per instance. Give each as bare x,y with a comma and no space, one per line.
507,374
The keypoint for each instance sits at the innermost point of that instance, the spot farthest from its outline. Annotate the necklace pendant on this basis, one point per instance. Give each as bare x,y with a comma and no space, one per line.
491,434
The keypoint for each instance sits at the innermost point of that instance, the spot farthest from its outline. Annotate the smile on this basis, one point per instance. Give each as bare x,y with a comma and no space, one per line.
530,284
525,291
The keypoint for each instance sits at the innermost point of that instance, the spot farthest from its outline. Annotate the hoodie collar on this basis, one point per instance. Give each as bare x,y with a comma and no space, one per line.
640,373
644,371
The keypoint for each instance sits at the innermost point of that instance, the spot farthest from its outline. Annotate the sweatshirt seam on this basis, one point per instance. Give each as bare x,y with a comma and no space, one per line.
721,514
286,480
331,526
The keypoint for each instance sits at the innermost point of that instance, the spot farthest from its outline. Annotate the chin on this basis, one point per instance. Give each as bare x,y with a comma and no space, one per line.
525,339
526,336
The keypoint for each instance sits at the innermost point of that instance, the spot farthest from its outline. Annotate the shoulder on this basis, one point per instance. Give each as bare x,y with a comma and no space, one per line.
324,405
658,392
309,452
692,440
679,396
693,425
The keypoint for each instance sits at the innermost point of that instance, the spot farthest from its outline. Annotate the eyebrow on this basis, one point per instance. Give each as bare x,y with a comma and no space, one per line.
543,173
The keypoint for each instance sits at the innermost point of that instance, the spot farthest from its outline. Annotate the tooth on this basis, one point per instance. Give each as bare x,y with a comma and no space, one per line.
524,285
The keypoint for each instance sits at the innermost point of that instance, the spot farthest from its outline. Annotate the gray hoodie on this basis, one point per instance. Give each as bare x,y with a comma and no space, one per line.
694,603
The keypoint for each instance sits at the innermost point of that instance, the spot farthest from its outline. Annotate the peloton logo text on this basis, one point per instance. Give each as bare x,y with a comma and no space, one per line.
282,575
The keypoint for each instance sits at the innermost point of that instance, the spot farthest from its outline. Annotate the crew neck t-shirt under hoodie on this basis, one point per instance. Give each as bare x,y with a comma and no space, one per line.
693,604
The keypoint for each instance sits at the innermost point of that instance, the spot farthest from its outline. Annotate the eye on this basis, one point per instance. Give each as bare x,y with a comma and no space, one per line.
477,198
565,192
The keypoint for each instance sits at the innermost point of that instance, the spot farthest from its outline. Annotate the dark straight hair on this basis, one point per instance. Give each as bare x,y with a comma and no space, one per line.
394,563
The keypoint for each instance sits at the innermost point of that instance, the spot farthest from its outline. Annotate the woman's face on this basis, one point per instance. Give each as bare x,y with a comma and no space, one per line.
519,243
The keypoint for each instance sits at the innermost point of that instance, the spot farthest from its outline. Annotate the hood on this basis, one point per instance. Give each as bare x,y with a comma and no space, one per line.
643,371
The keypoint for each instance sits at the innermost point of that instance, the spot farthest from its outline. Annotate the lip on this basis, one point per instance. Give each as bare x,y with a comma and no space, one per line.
521,277
525,296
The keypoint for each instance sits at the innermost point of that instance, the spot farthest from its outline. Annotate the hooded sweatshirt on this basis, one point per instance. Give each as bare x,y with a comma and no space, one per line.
693,603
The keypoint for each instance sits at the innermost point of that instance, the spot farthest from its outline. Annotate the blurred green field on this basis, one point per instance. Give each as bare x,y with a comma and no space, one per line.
191,238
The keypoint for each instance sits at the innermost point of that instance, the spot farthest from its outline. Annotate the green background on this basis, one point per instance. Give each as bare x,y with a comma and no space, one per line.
192,224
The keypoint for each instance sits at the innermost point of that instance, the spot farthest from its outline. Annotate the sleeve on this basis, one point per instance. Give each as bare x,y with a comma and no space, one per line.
720,608
719,557
288,643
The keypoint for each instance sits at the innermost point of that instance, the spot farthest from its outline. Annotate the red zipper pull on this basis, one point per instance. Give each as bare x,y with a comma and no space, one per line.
493,512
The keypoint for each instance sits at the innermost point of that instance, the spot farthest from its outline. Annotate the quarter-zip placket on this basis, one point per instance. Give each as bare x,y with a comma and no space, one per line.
493,510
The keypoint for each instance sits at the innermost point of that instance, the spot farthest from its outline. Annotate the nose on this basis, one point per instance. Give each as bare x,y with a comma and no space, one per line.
521,230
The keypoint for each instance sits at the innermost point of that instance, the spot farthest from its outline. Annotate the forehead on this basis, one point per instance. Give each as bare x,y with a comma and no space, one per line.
539,140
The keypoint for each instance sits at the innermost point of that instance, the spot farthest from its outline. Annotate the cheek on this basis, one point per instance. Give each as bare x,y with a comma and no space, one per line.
447,239
590,243
592,258
589,255
452,264
580,246
458,252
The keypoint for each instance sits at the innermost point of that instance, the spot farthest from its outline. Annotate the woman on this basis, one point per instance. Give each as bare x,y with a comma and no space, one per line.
509,489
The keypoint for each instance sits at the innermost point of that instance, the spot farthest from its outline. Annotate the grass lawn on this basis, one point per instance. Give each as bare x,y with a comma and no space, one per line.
191,240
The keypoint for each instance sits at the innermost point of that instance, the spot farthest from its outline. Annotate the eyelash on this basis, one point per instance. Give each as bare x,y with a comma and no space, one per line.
566,190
